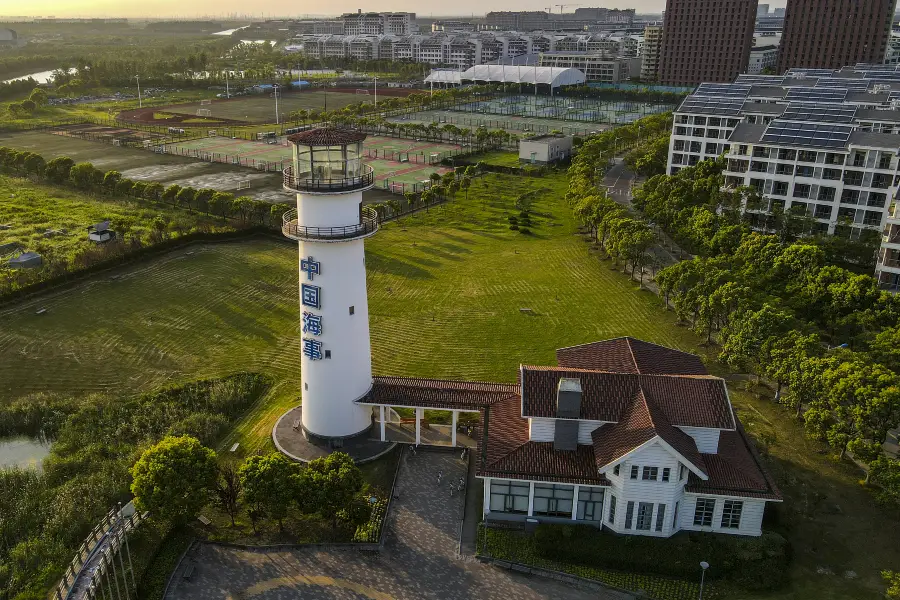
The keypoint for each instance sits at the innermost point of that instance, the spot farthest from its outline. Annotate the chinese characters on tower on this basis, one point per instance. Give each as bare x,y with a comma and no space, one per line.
311,297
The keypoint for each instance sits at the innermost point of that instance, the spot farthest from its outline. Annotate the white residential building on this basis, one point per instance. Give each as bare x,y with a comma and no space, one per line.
596,67
650,52
372,23
819,142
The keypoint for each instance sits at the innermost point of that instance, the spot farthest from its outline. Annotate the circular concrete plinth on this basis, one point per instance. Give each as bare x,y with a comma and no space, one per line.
290,441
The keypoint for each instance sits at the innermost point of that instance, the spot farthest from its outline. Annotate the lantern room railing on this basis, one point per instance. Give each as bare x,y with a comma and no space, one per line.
306,182
366,227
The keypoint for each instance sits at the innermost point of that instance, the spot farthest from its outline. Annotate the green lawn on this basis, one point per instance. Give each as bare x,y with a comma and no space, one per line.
445,292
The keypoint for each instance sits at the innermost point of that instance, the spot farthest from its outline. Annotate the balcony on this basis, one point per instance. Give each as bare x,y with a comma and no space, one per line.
367,226
306,182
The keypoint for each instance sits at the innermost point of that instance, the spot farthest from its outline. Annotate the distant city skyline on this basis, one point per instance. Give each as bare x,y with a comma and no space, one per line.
284,8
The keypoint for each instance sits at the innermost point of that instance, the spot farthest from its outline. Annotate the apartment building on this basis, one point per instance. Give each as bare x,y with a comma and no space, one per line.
372,23
594,66
833,33
822,143
653,35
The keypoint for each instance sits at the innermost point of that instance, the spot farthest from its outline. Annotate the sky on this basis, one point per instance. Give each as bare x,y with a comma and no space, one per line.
294,8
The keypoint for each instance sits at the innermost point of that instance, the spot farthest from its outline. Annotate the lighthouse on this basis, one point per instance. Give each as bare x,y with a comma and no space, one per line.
330,225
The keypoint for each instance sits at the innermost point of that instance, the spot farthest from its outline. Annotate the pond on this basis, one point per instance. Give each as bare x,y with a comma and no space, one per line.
40,77
23,452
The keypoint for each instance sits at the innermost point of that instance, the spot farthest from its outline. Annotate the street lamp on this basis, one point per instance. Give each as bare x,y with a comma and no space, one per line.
703,565
140,102
376,91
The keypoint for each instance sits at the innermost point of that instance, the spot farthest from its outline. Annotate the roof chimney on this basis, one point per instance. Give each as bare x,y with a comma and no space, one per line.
568,398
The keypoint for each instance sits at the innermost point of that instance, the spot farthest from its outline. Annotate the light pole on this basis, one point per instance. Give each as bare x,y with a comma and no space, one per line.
376,91
227,91
703,565
276,104
140,102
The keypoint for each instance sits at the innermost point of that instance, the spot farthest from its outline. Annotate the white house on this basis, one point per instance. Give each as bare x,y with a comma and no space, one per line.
545,149
625,435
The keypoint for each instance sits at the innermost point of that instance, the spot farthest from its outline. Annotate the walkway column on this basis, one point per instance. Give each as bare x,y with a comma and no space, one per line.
575,504
419,412
530,498
453,428
381,408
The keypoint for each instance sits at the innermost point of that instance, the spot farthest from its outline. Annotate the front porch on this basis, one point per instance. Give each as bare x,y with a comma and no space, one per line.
439,427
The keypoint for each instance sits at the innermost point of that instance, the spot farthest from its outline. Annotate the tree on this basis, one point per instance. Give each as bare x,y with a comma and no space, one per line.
270,483
125,187
28,106
466,184
335,480
39,97
58,169
201,199
185,198
34,164
784,354
885,472
745,338
110,180
221,204
228,490
153,191
82,176
242,206
171,193
172,479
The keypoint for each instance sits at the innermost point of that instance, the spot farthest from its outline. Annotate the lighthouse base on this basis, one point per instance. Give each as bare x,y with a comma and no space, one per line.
292,440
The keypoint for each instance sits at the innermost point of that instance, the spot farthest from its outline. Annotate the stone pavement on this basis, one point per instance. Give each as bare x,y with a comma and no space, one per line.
419,561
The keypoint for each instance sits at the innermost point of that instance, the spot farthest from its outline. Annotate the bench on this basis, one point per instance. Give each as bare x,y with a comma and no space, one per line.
189,570
235,447
204,520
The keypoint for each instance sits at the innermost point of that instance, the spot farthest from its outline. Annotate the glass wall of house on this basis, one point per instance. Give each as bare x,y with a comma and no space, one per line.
509,496
553,500
590,503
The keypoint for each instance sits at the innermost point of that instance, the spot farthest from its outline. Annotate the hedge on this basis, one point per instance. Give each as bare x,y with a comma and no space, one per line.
752,563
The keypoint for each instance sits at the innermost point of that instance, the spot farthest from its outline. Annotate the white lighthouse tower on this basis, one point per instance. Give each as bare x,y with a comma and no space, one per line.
330,225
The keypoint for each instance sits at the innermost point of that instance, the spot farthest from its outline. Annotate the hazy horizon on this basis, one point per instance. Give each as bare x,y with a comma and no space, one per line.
281,8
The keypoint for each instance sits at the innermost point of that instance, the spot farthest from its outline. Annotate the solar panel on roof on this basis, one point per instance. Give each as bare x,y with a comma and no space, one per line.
810,72
813,135
821,113
711,106
816,94
727,90
857,85
759,79
886,76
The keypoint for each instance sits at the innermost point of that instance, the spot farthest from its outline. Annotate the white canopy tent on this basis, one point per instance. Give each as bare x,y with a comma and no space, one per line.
552,76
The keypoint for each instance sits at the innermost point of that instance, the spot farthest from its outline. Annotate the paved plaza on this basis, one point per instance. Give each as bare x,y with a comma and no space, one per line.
419,562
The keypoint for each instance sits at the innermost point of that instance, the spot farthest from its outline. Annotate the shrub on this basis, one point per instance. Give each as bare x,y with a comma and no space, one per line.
512,219
759,563
514,227
525,231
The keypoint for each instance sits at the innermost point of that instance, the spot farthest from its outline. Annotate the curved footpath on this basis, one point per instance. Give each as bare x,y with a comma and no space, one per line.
419,562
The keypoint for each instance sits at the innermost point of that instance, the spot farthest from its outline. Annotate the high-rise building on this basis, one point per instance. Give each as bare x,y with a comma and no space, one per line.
830,34
650,56
360,23
762,10
706,40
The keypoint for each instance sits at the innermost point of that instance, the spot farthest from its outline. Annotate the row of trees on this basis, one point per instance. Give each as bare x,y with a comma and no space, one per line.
175,478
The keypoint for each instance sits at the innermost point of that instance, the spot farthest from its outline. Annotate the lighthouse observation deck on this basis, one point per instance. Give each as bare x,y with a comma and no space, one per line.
328,161
334,183
368,225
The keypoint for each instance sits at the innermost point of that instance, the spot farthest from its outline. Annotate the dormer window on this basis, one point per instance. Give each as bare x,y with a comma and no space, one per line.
616,470
682,471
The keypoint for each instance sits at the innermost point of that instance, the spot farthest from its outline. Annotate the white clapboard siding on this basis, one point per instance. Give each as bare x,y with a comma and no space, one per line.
751,515
707,439
542,430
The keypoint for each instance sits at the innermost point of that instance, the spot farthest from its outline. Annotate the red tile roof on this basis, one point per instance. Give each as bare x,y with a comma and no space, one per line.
735,470
628,355
437,393
327,136
641,422
685,400
510,455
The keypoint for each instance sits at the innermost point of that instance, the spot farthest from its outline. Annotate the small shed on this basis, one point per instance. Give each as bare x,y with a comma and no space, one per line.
545,149
101,232
26,260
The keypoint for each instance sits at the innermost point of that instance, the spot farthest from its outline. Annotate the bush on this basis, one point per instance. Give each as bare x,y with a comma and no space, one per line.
759,563
514,227
525,231
512,219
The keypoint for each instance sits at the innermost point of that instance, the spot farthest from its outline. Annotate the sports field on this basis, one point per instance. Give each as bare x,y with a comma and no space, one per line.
513,124
395,160
260,108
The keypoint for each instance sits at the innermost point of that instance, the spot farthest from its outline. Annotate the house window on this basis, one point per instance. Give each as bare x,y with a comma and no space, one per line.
634,471
509,496
644,516
553,500
731,514
780,188
352,309
590,504
682,470
666,472
660,517
616,470
801,190
612,510
703,514
629,514
650,473
675,516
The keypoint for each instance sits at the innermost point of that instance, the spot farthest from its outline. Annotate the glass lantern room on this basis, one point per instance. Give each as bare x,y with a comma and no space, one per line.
328,154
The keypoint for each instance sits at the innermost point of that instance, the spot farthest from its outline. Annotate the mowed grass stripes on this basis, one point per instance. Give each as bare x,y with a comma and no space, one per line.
445,292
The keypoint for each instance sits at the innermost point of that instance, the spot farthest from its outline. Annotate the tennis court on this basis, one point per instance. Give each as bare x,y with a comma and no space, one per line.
397,162
260,108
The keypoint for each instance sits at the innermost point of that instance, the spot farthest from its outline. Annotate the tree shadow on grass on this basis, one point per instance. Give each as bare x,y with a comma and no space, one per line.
381,263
